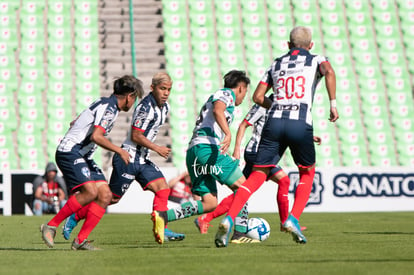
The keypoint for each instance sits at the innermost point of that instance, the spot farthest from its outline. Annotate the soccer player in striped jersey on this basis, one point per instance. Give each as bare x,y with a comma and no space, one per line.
74,157
293,77
149,115
207,159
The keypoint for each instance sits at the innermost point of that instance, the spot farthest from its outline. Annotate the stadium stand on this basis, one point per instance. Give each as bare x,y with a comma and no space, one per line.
365,43
51,70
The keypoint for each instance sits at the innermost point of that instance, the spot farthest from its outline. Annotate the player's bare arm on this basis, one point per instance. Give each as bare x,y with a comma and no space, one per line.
239,137
218,111
99,138
330,83
139,138
259,95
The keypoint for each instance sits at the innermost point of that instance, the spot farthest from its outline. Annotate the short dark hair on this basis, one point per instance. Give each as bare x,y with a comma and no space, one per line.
234,77
128,84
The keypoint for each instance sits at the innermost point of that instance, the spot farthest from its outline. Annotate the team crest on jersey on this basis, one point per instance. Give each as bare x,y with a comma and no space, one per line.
140,118
86,172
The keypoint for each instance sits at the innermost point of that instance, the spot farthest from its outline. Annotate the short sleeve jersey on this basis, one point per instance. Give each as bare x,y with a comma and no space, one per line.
147,118
294,78
102,113
256,117
207,130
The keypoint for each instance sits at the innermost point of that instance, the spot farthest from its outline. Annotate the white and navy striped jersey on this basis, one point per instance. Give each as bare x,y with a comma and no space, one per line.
256,117
147,118
294,78
207,130
102,113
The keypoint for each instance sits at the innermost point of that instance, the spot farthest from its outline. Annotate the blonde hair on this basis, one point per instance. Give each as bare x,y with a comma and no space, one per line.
159,78
300,37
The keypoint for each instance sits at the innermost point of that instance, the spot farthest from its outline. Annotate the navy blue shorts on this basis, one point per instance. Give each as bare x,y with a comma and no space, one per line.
250,158
78,170
279,134
123,175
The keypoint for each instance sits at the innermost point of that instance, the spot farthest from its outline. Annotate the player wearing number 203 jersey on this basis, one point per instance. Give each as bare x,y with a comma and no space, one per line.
293,78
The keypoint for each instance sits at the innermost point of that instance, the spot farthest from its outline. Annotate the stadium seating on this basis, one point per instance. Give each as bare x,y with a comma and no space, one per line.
362,40
42,81
369,44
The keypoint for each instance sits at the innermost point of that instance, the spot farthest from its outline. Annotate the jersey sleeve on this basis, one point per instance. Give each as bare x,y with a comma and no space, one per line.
224,95
267,77
141,117
321,59
107,119
254,114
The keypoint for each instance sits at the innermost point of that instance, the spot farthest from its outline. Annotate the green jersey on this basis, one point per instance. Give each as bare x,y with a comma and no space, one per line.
207,130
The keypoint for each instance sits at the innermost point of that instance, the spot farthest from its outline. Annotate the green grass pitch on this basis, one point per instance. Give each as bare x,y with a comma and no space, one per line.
338,243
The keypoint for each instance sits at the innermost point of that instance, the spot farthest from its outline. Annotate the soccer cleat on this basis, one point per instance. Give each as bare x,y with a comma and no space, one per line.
158,226
202,224
172,236
292,226
85,245
240,238
69,225
48,234
223,232
282,229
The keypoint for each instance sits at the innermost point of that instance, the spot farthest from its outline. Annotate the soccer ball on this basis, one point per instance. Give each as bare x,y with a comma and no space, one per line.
258,229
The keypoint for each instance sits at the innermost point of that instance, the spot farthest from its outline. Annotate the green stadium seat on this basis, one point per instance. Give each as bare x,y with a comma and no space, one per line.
386,30
336,46
256,6
354,155
278,6
58,7
382,155
306,19
201,20
356,6
331,6
359,161
227,19
334,32
228,61
332,18
304,5
225,6
86,6
179,72
377,124
34,115
279,20
358,18
229,32
200,6
383,5
173,6
62,34
398,84
385,17
33,6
